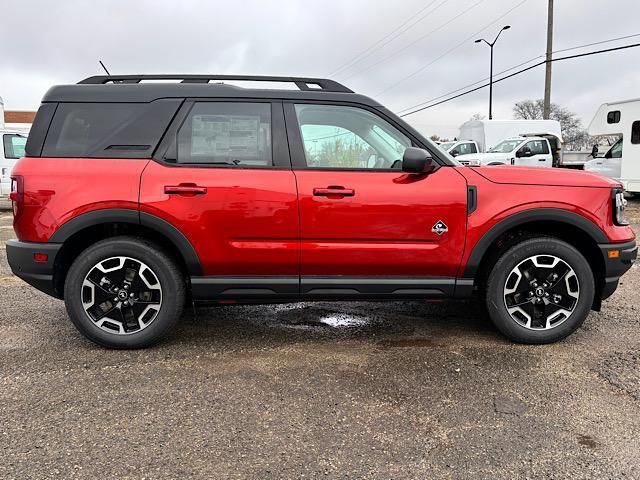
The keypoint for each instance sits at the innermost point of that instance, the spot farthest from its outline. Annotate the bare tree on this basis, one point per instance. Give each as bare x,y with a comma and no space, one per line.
477,116
574,135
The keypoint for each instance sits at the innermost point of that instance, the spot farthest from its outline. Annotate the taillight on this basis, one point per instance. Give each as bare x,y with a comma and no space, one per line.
17,194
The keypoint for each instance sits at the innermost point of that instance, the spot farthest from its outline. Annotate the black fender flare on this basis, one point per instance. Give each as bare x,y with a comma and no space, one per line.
135,217
524,217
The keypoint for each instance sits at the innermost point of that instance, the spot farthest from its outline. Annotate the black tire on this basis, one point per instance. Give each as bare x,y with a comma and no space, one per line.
495,292
168,275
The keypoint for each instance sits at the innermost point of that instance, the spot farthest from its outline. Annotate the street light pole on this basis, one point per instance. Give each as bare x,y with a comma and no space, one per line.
491,44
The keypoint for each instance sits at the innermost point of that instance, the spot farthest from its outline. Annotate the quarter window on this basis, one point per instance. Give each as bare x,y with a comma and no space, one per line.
224,133
108,130
349,137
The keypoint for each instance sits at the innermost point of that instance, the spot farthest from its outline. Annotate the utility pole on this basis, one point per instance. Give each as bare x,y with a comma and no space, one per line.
547,77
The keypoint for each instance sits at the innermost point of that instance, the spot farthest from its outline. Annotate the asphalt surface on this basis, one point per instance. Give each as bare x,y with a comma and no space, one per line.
327,390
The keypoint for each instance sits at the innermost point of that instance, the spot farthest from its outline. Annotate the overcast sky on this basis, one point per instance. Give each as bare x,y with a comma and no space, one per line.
46,43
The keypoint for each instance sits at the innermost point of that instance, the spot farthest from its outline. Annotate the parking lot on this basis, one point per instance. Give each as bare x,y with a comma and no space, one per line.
350,390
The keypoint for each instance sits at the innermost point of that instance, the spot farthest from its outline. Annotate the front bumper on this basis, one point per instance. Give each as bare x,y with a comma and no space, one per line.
617,266
38,274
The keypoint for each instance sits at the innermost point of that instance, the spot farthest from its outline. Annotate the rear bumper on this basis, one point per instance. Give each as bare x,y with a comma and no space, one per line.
38,274
615,267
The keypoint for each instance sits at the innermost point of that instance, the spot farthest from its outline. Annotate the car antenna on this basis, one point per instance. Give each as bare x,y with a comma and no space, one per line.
105,68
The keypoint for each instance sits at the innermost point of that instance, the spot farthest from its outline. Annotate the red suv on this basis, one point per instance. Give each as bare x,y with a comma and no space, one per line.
137,196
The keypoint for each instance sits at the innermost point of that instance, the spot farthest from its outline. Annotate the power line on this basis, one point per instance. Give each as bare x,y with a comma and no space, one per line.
569,57
516,66
414,42
365,53
424,67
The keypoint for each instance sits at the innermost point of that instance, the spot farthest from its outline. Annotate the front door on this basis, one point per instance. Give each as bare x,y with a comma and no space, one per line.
362,220
225,182
540,155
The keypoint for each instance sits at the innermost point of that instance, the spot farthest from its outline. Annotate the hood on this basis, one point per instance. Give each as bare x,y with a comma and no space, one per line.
561,177
485,156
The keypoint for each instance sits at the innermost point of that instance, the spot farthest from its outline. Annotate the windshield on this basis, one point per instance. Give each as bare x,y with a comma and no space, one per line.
506,146
447,145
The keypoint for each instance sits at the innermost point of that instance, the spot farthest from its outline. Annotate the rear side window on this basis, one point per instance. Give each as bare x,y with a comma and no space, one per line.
225,133
635,132
14,145
108,130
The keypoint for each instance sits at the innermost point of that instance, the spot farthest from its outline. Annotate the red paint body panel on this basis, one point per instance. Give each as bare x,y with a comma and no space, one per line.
59,189
245,224
497,201
385,227
544,176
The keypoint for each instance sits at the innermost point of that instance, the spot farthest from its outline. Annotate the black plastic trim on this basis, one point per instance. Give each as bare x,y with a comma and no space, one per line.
252,288
472,199
302,83
39,129
521,218
614,268
323,288
116,215
37,274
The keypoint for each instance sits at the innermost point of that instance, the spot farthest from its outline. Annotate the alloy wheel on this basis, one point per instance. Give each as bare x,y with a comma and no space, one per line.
541,292
121,295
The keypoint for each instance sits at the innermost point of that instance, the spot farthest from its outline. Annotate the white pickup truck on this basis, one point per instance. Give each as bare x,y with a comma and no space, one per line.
523,150
460,147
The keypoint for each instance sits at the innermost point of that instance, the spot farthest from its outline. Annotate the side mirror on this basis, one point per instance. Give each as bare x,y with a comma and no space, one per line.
416,160
524,152
594,151
454,153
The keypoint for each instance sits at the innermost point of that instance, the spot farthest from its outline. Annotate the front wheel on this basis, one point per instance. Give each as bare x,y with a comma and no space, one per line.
124,292
540,291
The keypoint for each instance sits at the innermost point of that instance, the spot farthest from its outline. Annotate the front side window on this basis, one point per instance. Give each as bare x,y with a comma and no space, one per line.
615,151
538,147
506,146
225,133
14,145
465,148
349,137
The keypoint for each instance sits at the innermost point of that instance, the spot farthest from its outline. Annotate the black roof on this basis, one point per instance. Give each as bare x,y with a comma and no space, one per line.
132,88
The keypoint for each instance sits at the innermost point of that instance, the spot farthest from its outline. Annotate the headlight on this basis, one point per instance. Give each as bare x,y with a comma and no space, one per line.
619,206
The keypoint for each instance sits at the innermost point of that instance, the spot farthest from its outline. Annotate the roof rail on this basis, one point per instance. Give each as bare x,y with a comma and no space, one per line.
321,84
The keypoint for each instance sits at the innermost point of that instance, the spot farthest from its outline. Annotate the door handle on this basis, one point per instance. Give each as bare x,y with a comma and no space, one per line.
334,190
188,189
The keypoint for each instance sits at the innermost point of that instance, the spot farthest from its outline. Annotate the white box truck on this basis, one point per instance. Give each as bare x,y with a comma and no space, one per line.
622,160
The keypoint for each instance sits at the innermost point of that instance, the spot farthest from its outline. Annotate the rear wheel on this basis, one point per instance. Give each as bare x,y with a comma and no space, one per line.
124,293
540,291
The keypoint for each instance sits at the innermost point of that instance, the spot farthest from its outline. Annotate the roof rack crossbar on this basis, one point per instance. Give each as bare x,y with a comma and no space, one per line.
321,84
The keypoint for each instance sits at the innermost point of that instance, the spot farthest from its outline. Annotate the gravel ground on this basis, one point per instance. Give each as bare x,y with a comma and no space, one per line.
343,390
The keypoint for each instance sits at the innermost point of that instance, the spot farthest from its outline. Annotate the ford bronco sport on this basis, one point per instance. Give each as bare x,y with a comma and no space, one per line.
134,197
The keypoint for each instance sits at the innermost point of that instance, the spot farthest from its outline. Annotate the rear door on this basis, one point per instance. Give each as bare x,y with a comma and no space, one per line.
222,176
365,226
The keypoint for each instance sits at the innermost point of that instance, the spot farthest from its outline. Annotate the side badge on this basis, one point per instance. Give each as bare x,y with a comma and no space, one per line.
440,227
